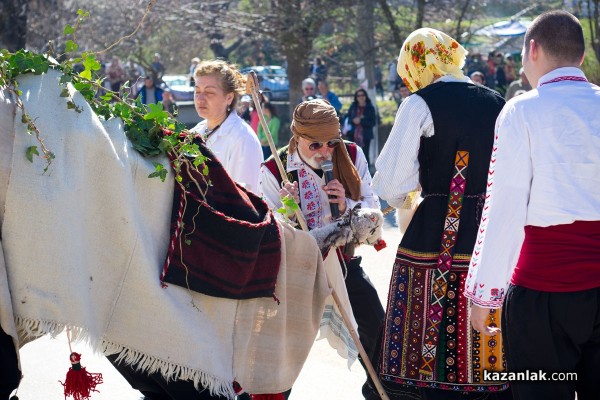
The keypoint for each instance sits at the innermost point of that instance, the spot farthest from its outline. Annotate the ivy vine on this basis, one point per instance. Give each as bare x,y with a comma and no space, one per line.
151,130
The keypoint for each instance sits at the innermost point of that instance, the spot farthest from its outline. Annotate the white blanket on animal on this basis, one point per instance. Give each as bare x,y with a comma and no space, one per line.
84,245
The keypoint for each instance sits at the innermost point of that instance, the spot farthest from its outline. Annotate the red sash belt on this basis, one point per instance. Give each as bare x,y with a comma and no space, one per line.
560,258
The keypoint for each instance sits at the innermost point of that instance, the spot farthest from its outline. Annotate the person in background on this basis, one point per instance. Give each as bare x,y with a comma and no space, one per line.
134,72
440,144
318,70
219,86
309,90
363,118
328,95
158,69
150,92
392,77
490,72
521,84
253,113
510,69
116,74
538,246
168,102
193,65
478,77
401,93
500,75
273,122
244,108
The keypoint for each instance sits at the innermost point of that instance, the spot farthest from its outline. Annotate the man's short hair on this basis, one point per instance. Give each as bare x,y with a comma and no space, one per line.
560,35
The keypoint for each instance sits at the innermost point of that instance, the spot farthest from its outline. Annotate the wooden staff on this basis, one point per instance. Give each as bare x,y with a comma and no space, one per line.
252,88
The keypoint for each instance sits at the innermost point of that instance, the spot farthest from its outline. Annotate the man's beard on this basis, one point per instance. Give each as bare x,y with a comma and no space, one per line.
315,161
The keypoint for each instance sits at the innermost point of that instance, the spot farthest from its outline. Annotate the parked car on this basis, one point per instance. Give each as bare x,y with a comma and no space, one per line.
273,81
180,87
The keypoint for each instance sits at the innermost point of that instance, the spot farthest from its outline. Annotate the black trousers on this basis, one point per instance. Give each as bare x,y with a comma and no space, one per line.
10,375
155,387
553,333
366,307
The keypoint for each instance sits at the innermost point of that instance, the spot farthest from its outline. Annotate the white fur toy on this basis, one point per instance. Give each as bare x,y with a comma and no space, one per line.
358,226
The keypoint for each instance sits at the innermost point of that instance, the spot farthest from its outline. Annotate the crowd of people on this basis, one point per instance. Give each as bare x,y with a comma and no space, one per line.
500,184
493,179
498,270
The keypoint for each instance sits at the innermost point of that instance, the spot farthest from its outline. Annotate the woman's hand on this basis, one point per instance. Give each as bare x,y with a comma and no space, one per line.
335,188
356,120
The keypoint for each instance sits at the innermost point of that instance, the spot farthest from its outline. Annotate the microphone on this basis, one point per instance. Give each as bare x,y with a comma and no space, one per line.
327,167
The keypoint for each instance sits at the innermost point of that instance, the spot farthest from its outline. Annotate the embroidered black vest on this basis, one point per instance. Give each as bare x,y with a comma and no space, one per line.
464,117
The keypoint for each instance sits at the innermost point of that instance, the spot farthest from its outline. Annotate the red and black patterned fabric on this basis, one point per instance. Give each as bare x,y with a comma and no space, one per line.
227,245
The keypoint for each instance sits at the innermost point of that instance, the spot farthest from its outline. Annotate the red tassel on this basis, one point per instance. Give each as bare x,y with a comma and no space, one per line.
79,383
276,396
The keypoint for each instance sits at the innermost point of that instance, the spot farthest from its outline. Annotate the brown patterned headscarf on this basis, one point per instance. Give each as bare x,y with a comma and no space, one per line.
316,121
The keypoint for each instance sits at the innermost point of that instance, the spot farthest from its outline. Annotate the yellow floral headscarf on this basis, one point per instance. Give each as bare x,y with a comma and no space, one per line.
427,53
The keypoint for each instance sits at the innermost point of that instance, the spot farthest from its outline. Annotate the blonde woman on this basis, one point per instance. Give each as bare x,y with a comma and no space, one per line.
218,89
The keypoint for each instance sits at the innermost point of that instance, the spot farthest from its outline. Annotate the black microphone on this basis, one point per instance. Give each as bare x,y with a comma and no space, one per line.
327,167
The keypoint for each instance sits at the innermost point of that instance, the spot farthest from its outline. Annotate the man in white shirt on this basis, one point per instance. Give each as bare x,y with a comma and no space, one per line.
537,252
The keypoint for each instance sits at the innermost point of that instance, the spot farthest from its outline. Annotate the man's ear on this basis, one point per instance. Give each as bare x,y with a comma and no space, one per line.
533,49
582,59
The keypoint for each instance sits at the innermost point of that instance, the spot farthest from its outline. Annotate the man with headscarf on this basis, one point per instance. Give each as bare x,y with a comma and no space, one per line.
316,138
440,144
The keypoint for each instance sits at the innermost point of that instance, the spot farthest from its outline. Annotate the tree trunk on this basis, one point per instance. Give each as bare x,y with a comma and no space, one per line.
596,29
297,69
420,14
367,46
461,17
389,17
13,24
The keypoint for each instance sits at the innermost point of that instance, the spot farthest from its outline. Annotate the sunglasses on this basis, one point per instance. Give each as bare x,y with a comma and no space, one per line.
317,145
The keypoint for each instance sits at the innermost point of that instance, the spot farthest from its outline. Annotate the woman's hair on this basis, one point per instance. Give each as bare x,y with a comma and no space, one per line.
363,91
230,79
267,105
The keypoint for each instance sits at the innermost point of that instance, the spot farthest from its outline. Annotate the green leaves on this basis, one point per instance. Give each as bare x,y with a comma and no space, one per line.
159,171
289,206
30,152
21,62
68,30
157,113
149,128
71,46
90,64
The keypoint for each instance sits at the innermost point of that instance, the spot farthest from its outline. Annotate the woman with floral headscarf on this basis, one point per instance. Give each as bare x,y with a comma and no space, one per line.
440,144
